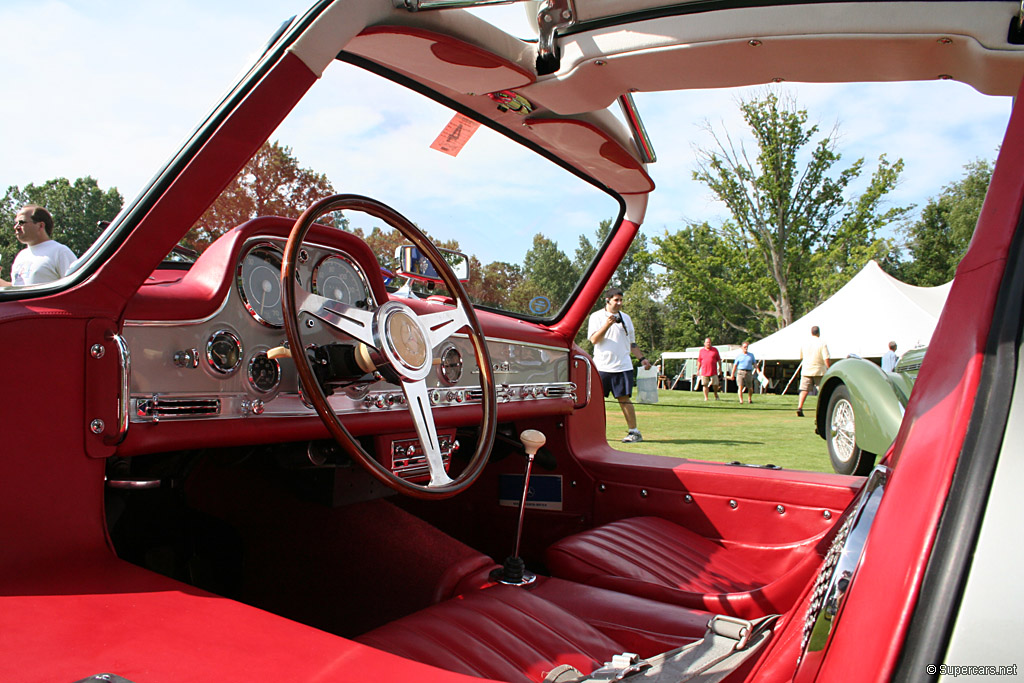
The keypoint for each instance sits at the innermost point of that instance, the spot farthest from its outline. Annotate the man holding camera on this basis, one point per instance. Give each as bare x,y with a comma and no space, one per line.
614,338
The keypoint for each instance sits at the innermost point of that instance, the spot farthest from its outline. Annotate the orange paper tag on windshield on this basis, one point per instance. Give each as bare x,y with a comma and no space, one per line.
455,135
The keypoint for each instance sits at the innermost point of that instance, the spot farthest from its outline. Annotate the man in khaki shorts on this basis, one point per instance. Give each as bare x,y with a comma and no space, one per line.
815,360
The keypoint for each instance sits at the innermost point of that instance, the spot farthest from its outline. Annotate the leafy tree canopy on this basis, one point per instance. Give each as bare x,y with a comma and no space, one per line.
271,184
793,225
939,239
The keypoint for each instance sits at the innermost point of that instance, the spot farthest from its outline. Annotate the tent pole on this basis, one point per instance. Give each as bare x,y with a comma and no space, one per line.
797,372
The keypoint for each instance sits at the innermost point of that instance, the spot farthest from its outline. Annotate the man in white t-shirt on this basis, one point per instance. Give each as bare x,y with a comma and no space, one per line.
43,259
614,338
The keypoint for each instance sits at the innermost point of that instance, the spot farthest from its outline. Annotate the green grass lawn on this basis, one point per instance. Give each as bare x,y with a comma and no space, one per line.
765,432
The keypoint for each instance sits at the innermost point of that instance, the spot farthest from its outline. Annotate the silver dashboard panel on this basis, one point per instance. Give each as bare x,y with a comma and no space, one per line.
171,378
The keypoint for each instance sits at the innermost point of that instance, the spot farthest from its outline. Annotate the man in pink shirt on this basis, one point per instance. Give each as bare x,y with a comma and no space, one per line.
710,364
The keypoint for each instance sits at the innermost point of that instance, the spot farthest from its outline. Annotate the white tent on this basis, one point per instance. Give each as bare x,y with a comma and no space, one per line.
861,319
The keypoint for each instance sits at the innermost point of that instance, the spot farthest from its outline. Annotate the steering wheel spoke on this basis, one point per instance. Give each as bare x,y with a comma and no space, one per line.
355,322
444,324
426,429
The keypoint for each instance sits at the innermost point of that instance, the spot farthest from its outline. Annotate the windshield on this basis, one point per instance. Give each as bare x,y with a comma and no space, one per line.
529,227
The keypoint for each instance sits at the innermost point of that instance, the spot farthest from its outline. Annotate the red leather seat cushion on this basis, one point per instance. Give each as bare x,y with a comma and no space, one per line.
657,559
500,632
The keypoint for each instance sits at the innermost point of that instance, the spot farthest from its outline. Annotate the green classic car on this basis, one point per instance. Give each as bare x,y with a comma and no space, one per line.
860,407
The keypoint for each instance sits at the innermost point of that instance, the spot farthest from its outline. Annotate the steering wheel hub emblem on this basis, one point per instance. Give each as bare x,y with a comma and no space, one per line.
404,341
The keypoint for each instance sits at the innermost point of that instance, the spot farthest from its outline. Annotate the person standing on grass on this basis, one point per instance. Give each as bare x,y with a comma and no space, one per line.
743,373
612,333
814,360
710,363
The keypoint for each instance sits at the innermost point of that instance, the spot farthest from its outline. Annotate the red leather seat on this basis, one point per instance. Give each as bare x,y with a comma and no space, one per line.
519,634
657,559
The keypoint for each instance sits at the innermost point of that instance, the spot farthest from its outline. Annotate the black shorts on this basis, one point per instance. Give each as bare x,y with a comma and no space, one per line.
617,384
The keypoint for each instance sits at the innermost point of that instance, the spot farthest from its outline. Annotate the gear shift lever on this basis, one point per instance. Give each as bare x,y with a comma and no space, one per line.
513,572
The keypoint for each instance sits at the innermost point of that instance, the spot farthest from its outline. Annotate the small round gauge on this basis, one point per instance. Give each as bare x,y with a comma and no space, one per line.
450,365
223,352
264,372
335,277
259,283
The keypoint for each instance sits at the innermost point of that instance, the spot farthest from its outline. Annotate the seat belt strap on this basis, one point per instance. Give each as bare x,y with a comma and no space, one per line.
726,644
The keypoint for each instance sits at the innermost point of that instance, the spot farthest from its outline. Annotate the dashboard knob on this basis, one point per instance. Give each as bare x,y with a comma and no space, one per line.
186,358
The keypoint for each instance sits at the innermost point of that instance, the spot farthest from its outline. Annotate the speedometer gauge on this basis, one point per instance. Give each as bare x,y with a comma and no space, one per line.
337,278
259,283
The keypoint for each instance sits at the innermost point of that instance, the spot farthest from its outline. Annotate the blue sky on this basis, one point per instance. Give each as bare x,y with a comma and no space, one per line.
110,88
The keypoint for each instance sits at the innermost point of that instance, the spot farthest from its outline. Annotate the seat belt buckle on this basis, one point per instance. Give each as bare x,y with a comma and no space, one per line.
733,628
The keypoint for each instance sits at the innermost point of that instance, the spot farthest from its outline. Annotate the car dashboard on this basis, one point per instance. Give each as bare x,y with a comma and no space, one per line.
198,343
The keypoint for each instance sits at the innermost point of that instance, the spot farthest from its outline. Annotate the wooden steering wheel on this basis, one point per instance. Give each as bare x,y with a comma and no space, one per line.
393,336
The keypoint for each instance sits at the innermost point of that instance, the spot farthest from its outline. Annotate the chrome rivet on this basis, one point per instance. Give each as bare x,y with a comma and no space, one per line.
310,323
97,351
733,504
96,426
643,493
572,484
778,79
945,77
945,41
599,62
753,43
688,498
601,488
780,509
827,514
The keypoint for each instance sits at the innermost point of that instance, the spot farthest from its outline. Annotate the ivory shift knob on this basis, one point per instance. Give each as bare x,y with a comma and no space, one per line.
533,440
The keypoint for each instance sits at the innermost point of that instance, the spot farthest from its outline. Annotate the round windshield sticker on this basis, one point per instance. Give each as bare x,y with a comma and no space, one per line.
539,305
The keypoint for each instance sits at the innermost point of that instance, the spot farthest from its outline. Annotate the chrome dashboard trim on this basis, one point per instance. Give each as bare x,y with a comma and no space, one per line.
590,368
124,356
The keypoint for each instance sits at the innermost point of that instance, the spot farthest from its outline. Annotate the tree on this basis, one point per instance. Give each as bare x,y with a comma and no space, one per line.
636,264
808,236
490,285
717,281
77,209
939,239
270,184
548,271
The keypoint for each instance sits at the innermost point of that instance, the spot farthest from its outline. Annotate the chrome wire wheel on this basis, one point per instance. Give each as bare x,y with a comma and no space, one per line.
841,435
842,430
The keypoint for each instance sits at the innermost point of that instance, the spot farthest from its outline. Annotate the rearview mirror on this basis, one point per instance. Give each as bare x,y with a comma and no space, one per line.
412,263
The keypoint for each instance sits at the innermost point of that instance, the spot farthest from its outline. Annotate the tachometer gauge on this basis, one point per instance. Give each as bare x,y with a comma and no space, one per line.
223,352
259,283
337,278
264,373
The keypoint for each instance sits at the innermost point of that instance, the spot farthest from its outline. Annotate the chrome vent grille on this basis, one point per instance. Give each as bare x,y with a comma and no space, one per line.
559,391
171,408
